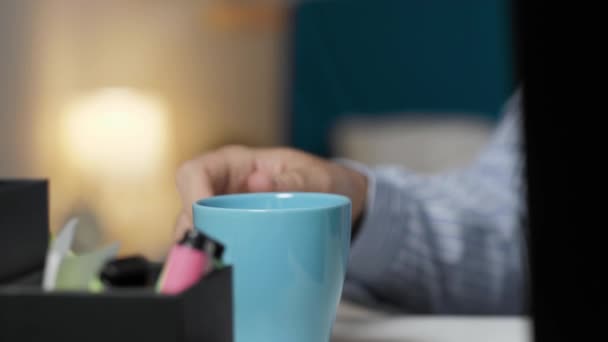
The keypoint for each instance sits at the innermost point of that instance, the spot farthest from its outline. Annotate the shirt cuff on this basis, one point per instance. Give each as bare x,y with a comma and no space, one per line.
381,234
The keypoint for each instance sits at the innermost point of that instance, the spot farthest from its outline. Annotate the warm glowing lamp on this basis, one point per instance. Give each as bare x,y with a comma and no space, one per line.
116,133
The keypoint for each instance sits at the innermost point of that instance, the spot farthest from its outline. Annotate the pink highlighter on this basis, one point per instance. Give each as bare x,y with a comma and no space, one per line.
187,263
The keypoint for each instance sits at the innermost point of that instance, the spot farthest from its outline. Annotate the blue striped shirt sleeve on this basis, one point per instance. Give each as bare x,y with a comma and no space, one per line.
448,243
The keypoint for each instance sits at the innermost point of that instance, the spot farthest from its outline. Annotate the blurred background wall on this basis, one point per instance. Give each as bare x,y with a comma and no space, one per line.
106,97
14,66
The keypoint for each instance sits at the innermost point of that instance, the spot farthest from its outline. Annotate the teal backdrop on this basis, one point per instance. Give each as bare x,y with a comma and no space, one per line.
375,57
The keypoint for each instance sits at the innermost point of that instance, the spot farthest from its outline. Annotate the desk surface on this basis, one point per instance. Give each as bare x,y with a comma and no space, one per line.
355,324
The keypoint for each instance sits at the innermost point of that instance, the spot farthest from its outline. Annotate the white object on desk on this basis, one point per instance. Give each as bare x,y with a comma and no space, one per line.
355,324
421,142
60,248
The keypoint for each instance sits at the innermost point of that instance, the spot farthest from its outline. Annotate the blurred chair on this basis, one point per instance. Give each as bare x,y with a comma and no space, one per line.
444,65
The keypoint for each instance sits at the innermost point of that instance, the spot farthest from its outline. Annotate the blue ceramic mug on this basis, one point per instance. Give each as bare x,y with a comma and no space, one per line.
289,252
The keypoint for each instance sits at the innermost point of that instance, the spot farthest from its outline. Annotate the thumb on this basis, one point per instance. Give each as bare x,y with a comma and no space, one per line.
260,182
293,180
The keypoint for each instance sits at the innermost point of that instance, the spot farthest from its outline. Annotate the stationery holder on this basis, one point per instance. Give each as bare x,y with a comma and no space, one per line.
203,313
24,227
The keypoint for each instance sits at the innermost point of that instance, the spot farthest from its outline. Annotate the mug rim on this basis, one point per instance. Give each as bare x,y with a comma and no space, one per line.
340,201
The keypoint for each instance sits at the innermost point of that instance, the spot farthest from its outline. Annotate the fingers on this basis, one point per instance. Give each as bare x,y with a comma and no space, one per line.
184,224
222,171
193,183
237,169
260,182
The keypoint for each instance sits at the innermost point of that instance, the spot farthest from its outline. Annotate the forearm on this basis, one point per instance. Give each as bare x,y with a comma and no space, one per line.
426,255
449,243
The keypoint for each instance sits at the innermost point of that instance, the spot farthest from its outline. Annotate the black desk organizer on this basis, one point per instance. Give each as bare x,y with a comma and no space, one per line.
24,227
203,313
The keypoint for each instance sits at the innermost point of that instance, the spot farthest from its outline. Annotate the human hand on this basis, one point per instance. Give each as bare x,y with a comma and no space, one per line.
236,169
